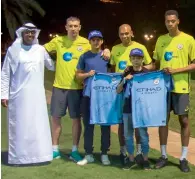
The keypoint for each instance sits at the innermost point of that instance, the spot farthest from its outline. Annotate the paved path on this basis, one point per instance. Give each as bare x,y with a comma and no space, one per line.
174,141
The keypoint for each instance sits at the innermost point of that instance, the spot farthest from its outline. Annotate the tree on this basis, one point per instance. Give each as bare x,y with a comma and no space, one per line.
17,12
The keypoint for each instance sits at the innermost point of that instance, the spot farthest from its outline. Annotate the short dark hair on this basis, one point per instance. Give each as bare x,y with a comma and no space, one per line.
172,12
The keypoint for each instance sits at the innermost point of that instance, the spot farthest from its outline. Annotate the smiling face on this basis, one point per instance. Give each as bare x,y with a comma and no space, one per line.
125,34
28,36
96,43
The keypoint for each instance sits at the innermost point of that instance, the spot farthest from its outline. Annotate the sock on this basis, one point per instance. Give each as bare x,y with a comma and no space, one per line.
74,148
163,150
139,149
55,148
123,150
184,152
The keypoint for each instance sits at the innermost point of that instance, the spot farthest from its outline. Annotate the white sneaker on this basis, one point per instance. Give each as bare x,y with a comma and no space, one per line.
105,160
87,159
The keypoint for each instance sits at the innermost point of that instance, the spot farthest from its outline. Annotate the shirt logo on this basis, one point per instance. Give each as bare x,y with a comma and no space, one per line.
180,46
67,56
156,81
122,65
168,56
80,48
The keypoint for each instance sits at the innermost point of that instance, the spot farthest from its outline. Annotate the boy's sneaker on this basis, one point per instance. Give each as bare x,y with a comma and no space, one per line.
105,160
162,162
124,159
139,159
129,165
75,156
184,165
146,165
86,160
56,155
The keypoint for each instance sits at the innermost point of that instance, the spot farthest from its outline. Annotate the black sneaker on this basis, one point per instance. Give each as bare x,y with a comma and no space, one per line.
124,159
129,165
139,159
184,165
146,165
161,162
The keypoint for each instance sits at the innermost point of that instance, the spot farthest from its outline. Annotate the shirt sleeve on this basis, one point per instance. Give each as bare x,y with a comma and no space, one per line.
48,61
51,46
112,62
5,77
127,88
155,53
147,58
81,63
87,87
169,82
192,49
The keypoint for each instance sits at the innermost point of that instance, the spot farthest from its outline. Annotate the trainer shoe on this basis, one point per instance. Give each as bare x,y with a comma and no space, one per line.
105,160
161,162
146,165
124,159
86,160
184,165
139,159
75,156
129,165
56,155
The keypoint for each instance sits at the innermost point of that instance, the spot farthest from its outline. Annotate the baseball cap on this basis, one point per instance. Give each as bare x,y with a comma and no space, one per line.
137,52
95,33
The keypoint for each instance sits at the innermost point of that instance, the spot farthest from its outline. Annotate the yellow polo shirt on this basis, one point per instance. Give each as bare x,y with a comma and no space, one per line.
176,52
68,54
120,56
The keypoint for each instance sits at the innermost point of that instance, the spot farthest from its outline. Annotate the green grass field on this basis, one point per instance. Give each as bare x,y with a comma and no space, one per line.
64,168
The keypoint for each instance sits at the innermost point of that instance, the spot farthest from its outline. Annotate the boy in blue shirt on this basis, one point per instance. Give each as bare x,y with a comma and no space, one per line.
90,63
137,58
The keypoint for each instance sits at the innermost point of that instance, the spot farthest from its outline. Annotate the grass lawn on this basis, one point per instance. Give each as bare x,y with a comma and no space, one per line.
64,168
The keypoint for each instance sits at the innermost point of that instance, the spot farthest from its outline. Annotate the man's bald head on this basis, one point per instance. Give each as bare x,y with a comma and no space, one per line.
125,26
125,34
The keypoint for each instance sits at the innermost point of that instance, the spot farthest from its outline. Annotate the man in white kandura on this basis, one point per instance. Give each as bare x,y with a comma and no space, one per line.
23,93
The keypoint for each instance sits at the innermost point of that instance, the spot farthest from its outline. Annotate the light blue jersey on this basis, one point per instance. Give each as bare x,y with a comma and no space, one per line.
106,105
149,98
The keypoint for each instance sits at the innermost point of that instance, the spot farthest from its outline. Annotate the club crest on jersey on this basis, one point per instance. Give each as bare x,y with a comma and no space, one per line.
80,48
156,81
180,46
113,79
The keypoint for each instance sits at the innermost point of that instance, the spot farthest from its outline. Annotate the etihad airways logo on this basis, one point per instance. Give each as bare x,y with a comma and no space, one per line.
148,90
105,88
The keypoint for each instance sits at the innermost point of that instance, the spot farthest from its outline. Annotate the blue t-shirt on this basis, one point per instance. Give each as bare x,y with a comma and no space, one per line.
106,105
149,98
92,61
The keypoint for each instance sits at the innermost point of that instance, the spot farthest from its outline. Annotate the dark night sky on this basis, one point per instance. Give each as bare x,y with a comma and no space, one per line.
144,16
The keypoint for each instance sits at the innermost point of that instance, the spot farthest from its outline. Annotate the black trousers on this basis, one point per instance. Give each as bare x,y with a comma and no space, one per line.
89,130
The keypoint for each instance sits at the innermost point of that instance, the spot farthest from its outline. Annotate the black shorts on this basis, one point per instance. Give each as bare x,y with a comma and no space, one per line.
62,99
179,103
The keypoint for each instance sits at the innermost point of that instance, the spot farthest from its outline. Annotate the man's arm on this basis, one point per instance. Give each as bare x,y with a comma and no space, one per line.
189,68
81,75
5,80
48,61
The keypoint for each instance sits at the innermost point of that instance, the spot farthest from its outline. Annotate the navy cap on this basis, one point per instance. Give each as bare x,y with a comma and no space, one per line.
95,33
137,52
